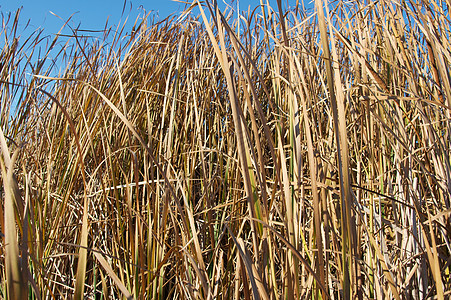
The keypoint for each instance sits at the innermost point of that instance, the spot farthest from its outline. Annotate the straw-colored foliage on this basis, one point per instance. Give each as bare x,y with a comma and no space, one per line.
272,153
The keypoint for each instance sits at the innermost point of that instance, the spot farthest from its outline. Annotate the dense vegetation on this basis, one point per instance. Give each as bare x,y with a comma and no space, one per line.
273,153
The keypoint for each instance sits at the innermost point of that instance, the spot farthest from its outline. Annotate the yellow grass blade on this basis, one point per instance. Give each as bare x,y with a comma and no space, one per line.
16,287
111,273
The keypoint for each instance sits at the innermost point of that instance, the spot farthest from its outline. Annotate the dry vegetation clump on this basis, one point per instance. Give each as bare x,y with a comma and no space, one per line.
266,154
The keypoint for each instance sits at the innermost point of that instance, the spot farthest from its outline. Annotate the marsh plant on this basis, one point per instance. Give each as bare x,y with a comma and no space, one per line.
269,153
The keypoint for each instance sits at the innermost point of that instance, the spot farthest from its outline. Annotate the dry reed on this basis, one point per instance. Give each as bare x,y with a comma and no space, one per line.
265,154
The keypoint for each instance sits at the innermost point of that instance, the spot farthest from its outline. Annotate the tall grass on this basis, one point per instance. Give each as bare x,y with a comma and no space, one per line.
266,154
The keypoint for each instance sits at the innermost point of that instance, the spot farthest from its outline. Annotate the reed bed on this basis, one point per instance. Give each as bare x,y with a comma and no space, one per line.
271,153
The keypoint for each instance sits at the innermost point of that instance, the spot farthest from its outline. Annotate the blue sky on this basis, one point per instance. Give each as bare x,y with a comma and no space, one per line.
51,15
92,14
